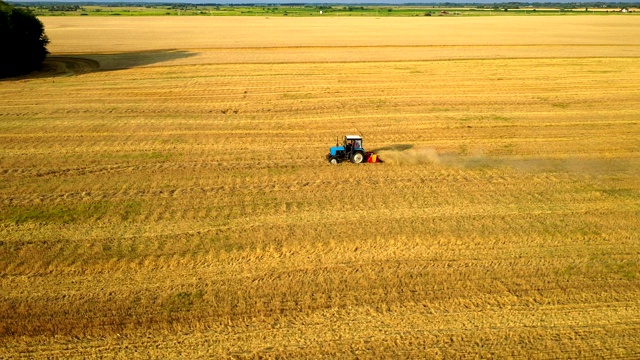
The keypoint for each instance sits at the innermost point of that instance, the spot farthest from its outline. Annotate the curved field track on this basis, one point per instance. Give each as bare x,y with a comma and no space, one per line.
164,191
67,65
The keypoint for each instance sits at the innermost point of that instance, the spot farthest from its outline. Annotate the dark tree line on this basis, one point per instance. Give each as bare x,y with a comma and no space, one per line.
23,43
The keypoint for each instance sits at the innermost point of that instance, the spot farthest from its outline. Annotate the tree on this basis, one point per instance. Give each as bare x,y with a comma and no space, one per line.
23,43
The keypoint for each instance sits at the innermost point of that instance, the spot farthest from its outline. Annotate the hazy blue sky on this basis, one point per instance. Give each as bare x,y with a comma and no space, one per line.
299,1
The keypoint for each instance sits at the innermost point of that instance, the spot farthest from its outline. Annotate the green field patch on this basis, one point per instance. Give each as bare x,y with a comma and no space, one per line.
183,301
604,266
622,193
152,155
54,213
298,96
70,213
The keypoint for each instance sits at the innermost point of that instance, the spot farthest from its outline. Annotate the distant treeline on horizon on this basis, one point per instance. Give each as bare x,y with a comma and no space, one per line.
597,4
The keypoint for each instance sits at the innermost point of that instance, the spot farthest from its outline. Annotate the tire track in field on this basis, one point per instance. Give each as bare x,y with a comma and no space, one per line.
233,195
127,168
390,53
67,65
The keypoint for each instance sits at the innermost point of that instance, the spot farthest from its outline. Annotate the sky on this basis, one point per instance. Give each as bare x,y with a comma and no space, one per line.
351,2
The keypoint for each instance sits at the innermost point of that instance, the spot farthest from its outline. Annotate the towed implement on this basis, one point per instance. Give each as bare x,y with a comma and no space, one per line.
351,150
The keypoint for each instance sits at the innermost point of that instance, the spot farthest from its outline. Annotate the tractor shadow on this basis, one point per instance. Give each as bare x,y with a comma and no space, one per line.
70,65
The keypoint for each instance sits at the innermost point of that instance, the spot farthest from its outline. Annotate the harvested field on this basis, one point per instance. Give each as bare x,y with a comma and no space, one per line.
165,193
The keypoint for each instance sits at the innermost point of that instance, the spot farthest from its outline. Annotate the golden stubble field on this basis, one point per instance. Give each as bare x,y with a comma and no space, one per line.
164,193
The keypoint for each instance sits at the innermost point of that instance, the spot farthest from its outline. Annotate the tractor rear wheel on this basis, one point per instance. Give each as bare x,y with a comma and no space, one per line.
357,157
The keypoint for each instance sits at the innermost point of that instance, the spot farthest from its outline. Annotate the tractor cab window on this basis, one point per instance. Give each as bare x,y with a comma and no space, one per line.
353,143
348,145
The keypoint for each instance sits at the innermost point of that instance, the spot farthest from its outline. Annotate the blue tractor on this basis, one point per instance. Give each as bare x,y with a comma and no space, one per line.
351,150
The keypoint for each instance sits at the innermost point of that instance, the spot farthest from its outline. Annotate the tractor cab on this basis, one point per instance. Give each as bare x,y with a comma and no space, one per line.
353,142
350,150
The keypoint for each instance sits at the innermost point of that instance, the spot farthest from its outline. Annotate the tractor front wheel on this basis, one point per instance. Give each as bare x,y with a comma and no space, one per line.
357,157
333,160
